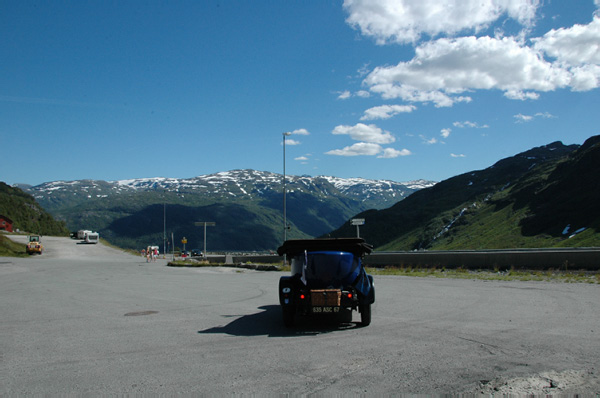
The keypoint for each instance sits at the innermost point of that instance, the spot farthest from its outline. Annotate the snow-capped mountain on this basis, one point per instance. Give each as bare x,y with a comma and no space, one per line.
240,184
245,204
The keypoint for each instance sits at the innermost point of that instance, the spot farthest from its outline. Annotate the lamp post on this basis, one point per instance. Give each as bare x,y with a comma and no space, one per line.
284,194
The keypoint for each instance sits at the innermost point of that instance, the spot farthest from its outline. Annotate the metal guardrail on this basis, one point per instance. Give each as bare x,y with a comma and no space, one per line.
532,259
572,259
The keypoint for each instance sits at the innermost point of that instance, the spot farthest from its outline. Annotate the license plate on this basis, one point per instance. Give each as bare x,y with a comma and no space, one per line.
325,310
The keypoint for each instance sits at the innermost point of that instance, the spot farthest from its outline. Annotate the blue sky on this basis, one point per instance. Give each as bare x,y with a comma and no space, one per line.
379,89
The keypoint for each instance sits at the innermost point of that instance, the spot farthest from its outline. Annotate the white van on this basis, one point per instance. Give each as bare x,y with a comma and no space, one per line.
92,237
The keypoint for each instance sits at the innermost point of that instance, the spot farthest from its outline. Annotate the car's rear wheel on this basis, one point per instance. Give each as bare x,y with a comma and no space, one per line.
365,314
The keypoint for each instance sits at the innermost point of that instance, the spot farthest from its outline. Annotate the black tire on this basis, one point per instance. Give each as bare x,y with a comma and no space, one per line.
372,292
288,313
365,314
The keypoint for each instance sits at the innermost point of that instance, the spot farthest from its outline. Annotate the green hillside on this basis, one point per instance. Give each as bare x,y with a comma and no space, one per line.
137,220
238,227
27,215
524,201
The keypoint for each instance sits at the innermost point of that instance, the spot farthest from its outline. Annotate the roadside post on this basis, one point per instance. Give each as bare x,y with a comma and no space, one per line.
206,224
358,222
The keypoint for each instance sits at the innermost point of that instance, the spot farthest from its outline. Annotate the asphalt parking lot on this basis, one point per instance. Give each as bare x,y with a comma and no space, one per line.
90,319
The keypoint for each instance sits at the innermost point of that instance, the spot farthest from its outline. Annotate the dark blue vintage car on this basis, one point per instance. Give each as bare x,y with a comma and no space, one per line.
327,278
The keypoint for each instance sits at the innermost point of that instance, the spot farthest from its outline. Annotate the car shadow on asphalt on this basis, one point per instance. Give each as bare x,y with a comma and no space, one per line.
269,323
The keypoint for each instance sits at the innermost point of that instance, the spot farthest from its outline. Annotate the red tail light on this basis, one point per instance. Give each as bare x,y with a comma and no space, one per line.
302,297
349,295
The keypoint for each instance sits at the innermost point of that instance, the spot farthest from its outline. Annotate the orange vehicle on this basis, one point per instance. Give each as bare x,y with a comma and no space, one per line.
34,245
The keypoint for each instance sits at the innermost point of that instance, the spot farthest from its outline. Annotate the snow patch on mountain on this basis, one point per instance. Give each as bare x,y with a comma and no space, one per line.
241,184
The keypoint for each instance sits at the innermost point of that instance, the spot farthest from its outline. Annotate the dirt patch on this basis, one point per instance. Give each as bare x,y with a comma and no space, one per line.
569,382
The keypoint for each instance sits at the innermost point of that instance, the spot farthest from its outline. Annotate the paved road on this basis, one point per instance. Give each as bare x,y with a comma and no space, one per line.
87,319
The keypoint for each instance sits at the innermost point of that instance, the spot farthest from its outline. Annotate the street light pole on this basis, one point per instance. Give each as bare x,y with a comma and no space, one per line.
284,195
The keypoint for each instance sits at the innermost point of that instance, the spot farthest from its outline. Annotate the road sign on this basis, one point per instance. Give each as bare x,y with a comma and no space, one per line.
358,222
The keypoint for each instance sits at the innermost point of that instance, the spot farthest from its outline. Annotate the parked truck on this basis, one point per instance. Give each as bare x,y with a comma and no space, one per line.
327,278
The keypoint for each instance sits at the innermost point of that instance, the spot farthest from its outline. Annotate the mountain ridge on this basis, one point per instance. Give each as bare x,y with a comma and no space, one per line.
315,205
26,214
526,200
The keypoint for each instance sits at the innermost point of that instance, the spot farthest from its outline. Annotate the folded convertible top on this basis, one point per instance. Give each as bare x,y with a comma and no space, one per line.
356,246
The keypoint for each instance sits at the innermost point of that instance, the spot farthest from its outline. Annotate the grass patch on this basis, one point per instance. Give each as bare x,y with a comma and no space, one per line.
8,248
496,275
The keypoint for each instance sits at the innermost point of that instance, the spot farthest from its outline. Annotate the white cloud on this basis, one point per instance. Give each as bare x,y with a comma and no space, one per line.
523,118
300,132
444,68
576,49
545,115
390,153
406,21
386,111
364,70
585,78
369,149
521,95
446,133
344,95
460,155
291,141
301,158
576,46
429,141
358,149
367,133
469,124
347,94
527,118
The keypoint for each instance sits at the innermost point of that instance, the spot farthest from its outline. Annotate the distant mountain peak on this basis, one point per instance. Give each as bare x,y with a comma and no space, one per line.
238,200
